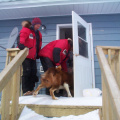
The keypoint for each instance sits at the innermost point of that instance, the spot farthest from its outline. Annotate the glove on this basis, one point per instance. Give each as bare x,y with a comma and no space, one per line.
59,67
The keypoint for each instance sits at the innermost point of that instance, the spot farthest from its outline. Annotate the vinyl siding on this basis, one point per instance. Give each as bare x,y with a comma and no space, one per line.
106,32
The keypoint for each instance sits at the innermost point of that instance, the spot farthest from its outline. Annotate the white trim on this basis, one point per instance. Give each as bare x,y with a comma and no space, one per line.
92,55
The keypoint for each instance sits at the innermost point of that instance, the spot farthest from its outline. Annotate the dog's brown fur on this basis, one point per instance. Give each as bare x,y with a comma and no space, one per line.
55,78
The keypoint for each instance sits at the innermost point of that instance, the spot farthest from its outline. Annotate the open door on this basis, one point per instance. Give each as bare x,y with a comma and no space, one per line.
83,76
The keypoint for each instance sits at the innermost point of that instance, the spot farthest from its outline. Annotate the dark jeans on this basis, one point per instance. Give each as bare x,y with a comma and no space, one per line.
46,63
29,75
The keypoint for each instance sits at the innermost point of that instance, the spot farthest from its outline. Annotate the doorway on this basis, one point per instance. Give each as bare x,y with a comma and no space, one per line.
64,31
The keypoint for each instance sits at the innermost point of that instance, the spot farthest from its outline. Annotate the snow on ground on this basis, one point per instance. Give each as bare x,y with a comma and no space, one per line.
47,100
28,114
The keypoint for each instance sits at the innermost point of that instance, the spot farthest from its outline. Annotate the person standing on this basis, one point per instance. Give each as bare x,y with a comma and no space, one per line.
32,39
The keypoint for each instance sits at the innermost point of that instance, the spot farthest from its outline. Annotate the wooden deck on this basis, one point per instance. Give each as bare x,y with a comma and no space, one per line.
44,105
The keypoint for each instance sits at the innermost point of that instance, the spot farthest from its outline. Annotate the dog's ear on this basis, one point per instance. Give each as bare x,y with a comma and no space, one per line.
59,68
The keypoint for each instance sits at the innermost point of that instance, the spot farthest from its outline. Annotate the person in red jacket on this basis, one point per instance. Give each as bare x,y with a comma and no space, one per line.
56,53
31,38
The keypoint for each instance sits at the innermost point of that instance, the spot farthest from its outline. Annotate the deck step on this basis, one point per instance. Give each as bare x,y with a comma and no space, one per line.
58,110
64,106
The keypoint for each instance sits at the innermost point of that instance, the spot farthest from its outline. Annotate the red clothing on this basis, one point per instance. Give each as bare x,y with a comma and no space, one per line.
28,39
60,57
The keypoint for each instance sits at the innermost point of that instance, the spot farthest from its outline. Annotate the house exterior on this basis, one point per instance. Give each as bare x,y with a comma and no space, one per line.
104,15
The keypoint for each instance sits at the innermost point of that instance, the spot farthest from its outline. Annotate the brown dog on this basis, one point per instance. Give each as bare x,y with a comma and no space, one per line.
55,78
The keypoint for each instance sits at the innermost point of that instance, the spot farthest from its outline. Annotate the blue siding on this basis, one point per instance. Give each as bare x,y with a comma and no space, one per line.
106,32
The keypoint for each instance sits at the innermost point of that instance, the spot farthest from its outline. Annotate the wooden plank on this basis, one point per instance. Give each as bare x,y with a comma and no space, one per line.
5,102
103,98
110,47
6,95
15,96
113,52
110,108
113,67
109,57
12,49
10,59
21,72
100,114
13,53
58,111
8,72
113,114
118,70
7,60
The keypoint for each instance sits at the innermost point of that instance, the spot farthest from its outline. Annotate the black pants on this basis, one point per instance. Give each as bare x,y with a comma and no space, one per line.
46,63
29,75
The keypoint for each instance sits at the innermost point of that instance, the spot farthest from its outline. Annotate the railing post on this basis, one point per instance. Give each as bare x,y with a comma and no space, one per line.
109,57
118,69
103,94
7,91
15,95
5,102
110,71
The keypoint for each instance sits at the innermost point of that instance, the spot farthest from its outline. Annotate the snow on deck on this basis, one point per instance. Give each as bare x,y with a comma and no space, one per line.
47,100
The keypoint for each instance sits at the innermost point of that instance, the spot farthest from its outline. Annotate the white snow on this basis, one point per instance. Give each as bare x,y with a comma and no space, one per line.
28,114
47,100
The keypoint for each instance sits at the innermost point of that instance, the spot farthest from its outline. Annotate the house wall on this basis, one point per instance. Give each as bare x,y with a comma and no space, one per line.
106,32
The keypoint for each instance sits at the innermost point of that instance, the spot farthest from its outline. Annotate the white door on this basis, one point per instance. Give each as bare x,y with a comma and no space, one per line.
81,55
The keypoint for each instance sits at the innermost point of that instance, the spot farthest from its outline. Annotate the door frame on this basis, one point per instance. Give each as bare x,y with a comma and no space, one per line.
58,26
92,55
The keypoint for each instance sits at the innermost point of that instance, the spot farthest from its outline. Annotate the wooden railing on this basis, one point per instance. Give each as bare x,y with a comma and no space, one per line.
10,83
109,60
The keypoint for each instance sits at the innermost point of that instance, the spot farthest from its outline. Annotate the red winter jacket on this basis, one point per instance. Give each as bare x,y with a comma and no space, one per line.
57,51
27,38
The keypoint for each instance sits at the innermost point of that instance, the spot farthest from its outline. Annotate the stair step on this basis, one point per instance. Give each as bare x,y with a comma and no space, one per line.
64,106
28,114
58,111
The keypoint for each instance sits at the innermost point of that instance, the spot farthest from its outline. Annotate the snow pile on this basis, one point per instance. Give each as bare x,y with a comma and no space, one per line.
93,92
28,114
47,100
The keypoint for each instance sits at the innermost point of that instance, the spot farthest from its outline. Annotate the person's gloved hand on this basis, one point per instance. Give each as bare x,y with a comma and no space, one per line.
59,67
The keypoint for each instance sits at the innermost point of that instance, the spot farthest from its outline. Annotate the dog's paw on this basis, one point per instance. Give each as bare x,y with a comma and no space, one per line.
55,98
35,93
69,95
